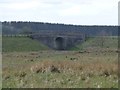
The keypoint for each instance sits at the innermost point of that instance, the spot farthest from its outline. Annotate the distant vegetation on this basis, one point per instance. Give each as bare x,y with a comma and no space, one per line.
33,27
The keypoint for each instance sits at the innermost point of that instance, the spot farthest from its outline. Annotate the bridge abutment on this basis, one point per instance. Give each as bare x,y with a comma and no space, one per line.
58,40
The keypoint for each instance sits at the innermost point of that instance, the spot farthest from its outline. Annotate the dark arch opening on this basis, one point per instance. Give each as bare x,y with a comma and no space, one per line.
59,43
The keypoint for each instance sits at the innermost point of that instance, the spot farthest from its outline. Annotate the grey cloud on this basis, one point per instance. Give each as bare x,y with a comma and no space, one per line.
49,11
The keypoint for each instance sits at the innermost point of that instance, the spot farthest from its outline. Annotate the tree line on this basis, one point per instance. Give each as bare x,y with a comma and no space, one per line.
19,27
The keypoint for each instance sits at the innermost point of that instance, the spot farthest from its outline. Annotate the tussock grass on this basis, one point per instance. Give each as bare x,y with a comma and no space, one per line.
91,66
102,69
55,69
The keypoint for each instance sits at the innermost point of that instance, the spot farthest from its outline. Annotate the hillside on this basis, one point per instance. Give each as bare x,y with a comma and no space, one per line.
10,44
35,27
109,42
26,44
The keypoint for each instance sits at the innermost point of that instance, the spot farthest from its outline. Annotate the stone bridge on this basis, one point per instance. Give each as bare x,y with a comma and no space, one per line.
59,40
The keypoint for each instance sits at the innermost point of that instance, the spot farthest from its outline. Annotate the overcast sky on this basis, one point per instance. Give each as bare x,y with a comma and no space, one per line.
80,12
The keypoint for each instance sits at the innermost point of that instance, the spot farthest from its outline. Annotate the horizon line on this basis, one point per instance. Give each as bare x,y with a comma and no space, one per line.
57,23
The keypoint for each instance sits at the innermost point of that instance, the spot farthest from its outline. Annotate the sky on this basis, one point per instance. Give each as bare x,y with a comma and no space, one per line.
77,12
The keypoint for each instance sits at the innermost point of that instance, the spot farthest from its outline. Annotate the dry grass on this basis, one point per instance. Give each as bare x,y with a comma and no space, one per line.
102,69
57,69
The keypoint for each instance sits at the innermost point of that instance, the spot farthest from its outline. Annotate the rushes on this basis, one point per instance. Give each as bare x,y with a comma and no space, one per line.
90,69
60,69
55,66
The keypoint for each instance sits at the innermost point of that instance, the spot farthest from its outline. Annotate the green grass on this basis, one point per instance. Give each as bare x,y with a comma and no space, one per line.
88,70
11,44
108,42
78,69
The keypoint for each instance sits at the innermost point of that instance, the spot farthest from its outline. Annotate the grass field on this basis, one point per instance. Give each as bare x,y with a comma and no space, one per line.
86,67
17,44
108,42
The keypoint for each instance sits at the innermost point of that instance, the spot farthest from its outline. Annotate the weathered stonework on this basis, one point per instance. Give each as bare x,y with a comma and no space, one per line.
60,40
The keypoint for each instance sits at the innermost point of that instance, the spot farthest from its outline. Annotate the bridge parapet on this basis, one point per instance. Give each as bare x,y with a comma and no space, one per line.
59,40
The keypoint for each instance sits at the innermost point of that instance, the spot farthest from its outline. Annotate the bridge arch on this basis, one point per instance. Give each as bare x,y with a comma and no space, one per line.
59,42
